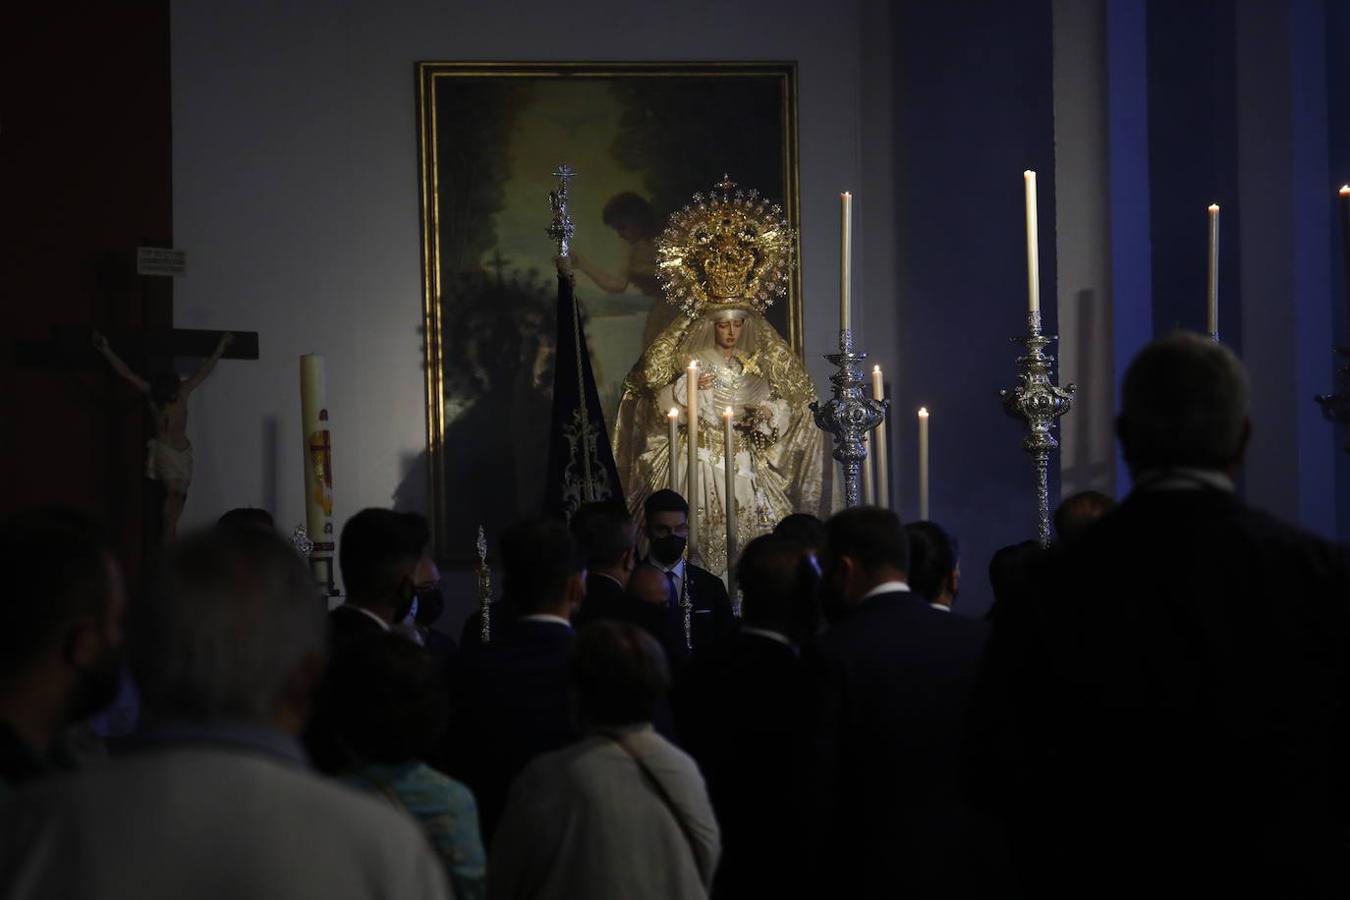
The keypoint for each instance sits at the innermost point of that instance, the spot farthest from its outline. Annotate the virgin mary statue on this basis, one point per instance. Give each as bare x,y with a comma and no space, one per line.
723,260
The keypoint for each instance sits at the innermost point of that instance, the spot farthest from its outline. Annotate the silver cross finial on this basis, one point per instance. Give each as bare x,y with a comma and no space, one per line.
562,228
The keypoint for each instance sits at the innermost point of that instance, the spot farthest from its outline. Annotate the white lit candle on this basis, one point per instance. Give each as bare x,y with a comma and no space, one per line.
1033,247
923,463
1212,270
673,421
691,410
1345,241
845,260
882,465
729,461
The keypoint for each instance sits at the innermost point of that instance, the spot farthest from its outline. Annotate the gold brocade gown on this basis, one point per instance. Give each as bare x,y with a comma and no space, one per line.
778,447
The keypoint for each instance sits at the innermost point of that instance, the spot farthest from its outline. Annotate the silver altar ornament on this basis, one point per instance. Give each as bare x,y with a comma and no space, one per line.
484,588
301,541
1336,407
849,415
1039,402
687,603
562,229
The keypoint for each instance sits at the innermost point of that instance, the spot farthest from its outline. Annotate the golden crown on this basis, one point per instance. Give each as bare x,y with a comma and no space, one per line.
729,247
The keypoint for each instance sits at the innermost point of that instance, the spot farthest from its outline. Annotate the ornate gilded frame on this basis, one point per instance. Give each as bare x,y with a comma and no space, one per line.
434,77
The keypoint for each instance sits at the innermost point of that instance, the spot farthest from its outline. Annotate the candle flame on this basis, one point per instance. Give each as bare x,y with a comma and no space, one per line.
876,370
1028,174
674,413
845,196
1214,207
1345,190
729,413
693,364
923,412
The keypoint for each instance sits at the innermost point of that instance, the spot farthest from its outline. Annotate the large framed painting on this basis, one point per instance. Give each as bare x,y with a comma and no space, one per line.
644,137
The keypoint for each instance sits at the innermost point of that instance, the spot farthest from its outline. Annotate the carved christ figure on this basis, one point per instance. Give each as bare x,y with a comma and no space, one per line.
168,458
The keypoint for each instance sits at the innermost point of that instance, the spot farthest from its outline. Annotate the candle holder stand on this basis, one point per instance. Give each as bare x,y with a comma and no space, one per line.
484,588
1336,407
1037,401
849,415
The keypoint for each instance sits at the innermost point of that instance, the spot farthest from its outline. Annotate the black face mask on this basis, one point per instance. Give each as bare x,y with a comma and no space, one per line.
430,605
669,549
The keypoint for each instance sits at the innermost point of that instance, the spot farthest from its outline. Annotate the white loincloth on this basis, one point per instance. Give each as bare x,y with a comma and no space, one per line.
169,465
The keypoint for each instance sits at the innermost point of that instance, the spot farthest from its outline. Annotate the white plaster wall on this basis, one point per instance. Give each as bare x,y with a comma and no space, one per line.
296,198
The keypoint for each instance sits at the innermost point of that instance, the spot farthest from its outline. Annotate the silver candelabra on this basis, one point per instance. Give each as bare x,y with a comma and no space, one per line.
849,415
1039,402
562,228
484,588
1336,407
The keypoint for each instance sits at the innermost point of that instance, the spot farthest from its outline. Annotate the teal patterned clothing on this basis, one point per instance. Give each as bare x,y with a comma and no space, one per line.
446,811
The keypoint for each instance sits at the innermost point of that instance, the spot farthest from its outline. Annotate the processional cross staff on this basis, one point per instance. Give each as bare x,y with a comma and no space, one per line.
562,230
484,588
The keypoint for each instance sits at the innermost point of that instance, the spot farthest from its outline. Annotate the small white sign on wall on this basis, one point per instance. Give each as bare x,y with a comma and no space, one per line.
161,261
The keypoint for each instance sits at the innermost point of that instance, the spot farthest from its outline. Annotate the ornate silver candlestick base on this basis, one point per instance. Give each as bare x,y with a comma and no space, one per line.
1336,407
849,415
1039,402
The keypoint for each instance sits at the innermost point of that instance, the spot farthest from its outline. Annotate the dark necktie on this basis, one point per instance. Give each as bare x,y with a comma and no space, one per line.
674,594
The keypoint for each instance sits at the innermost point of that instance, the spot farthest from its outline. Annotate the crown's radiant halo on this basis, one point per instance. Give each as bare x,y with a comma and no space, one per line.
729,247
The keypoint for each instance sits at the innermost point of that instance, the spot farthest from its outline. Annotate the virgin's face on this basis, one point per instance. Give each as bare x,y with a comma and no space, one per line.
728,332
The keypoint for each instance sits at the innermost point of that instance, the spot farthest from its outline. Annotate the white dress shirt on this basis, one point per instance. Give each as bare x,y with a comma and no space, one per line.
887,587
1182,478
545,617
677,570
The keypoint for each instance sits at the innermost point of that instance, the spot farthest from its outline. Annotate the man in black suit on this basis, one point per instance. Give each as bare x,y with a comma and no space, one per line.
738,712
509,698
608,541
934,564
380,554
889,686
608,537
1168,705
666,516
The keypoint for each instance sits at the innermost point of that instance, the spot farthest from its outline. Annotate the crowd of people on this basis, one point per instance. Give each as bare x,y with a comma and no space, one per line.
1157,705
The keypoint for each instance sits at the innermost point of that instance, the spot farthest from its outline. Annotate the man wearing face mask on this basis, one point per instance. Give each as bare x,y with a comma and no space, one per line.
60,637
428,605
382,555
888,687
608,539
667,528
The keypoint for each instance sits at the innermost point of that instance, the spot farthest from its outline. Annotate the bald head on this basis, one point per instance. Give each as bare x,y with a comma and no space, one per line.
649,585
1184,404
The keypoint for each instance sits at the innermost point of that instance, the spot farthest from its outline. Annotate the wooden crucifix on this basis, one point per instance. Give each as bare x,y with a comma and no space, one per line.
145,360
